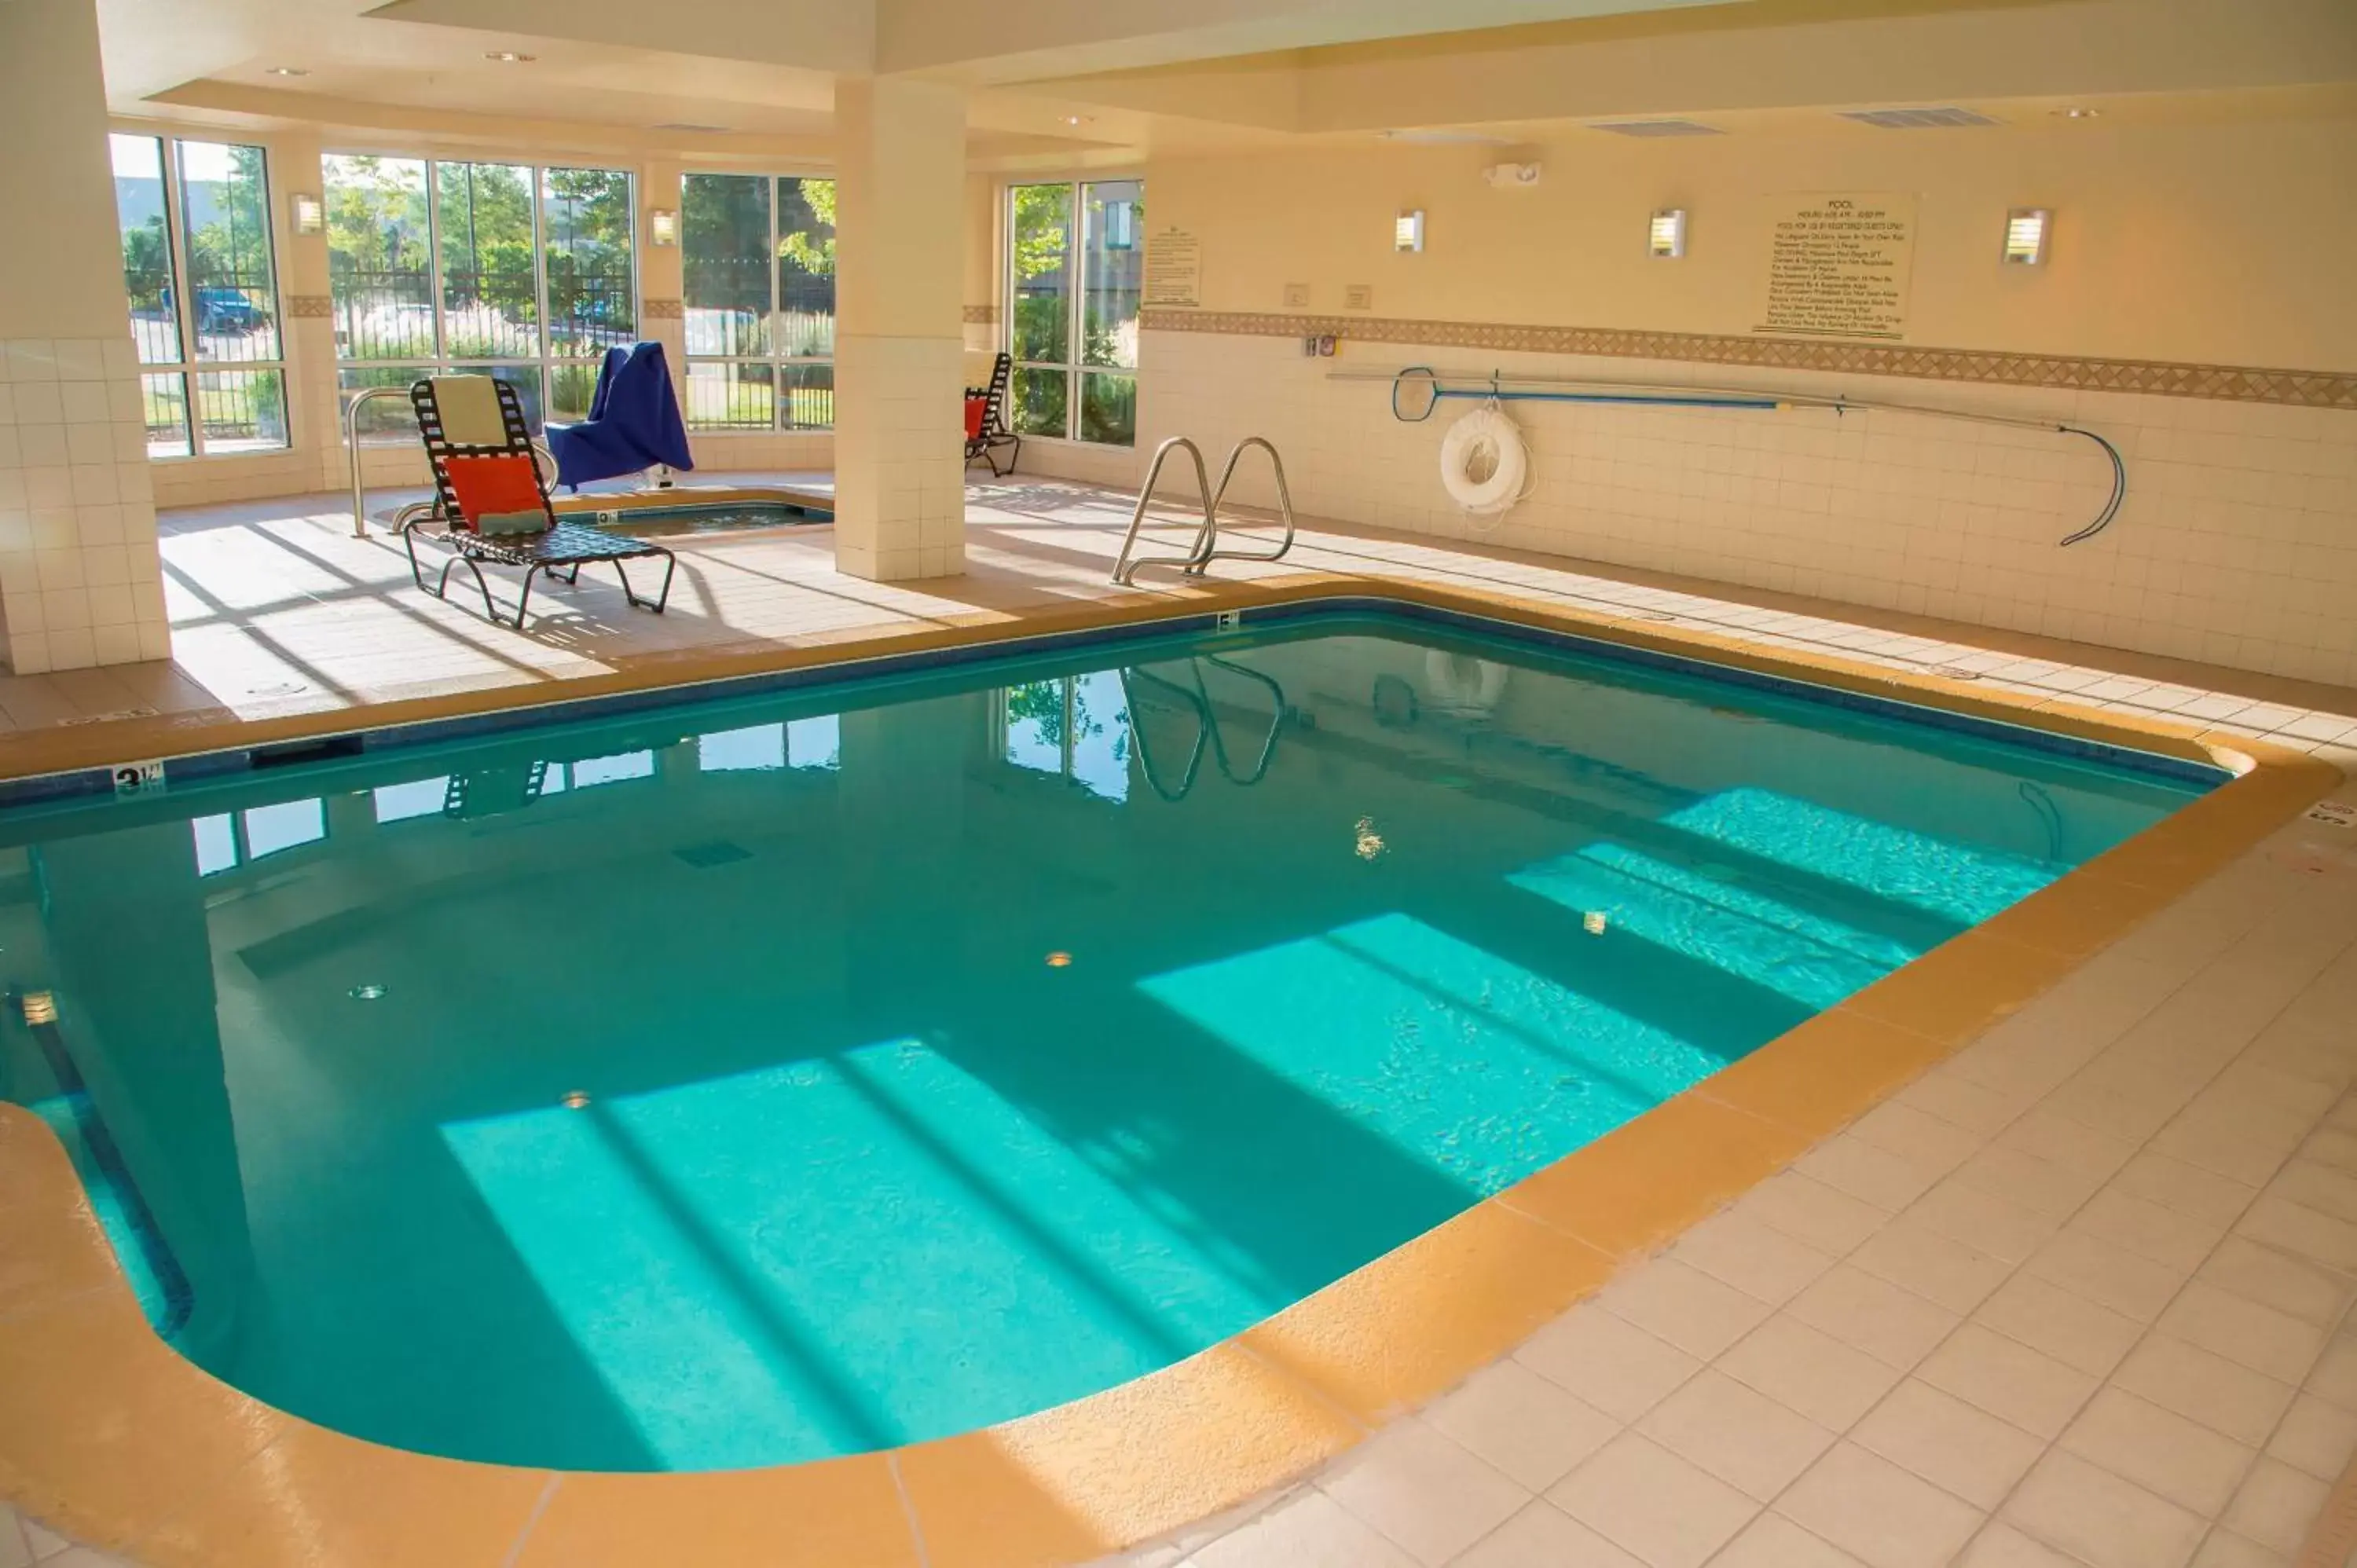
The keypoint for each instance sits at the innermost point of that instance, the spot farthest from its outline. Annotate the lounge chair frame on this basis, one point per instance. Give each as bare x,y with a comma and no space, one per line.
994,433
560,550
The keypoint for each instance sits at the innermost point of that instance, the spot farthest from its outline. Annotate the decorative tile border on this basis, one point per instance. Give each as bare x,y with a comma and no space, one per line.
982,316
663,309
2158,378
310,307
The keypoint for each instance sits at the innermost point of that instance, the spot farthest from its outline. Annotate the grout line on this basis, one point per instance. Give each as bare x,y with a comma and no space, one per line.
532,1521
907,1508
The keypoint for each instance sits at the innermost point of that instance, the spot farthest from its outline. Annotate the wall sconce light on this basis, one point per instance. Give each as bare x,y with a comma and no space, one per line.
310,213
663,225
1665,237
2025,235
1407,232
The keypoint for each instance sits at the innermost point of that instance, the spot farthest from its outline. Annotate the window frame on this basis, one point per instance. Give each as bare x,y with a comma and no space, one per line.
777,361
188,367
546,362
1074,368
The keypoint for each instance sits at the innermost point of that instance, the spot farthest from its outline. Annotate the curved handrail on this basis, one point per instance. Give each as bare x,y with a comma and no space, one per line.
1284,502
1204,725
352,446
1275,717
1125,567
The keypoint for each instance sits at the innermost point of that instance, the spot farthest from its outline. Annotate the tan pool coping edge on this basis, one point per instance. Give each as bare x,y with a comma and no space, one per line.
109,1436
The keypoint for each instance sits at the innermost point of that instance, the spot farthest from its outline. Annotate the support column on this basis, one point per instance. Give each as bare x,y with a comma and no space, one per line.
899,472
661,283
80,578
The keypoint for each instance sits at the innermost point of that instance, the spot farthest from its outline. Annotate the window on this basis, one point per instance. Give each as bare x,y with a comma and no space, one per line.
1077,726
197,262
1074,270
512,269
757,254
226,842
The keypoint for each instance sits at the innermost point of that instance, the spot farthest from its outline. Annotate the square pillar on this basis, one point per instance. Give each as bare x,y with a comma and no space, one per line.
899,427
81,577
663,309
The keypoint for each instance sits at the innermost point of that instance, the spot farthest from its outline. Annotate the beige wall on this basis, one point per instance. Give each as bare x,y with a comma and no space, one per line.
2222,243
2227,242
57,184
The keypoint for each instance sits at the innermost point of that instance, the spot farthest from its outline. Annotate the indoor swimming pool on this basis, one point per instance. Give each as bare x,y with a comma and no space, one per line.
752,1079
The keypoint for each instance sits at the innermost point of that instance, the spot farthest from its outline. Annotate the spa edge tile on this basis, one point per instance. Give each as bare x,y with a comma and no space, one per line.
818,1515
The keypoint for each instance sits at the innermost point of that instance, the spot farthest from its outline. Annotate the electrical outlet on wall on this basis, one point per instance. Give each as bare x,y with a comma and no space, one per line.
1296,297
1359,296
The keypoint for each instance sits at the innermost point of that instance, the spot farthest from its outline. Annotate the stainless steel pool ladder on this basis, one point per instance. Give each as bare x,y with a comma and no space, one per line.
1207,725
1206,548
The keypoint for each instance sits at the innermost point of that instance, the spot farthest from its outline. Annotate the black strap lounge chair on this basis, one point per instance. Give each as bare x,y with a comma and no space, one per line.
984,436
491,499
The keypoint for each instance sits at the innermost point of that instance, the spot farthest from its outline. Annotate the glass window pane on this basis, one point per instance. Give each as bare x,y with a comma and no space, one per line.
814,742
166,400
572,383
613,769
1039,397
380,258
146,249
805,329
290,824
216,844
387,419
1112,214
757,749
723,256
731,396
241,411
592,303
225,226
1042,275
419,798
807,394
489,304
1109,408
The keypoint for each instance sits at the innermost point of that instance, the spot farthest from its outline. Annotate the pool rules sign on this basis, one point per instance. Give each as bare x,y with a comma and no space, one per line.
1838,265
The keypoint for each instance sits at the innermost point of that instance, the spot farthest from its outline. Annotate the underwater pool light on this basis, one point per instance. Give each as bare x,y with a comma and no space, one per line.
576,1100
1060,960
367,993
40,1007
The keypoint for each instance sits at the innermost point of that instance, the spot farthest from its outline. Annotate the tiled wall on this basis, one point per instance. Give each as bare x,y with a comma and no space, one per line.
2237,543
80,582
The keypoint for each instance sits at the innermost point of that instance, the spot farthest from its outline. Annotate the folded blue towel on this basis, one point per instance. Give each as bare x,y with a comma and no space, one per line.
633,424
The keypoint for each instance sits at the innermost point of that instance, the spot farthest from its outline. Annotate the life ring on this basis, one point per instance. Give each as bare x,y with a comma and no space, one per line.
1483,463
1463,683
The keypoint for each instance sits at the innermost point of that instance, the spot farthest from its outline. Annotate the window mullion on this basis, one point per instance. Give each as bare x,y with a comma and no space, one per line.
779,397
547,333
434,274
175,252
1073,238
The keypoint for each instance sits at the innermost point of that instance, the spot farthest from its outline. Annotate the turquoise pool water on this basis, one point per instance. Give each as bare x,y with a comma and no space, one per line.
748,1081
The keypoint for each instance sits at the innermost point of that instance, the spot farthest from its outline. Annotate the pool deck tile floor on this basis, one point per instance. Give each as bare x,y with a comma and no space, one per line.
2071,1283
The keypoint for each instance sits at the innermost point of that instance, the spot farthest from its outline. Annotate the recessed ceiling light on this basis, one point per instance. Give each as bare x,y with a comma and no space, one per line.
2078,113
509,56
289,70
1079,119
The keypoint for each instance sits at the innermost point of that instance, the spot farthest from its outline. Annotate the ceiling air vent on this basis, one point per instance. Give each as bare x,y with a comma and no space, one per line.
1916,119
1656,128
691,125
